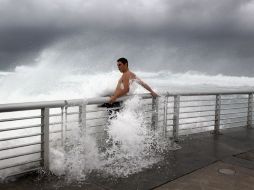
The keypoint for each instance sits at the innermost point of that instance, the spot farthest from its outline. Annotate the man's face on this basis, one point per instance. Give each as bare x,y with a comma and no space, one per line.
120,66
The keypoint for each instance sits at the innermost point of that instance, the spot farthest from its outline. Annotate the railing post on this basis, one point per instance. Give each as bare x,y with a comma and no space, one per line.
83,118
165,118
65,122
250,110
80,114
176,117
217,114
155,113
62,126
45,138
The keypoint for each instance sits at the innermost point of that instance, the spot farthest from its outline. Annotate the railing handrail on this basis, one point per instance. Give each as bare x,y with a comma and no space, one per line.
75,102
30,105
58,103
194,93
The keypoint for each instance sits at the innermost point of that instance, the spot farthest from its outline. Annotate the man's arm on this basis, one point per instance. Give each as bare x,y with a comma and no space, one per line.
142,83
121,92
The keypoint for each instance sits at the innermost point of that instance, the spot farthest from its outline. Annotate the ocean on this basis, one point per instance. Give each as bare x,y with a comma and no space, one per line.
44,82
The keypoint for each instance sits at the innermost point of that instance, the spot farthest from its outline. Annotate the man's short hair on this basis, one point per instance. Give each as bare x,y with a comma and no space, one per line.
123,60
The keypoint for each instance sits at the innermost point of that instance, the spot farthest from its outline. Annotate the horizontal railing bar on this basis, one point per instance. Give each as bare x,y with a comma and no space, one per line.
96,125
24,172
196,122
197,116
233,95
20,118
54,115
195,111
206,126
31,105
115,108
234,108
233,118
22,127
235,126
184,129
99,110
94,118
19,155
19,137
20,146
20,164
197,106
170,119
232,122
234,98
208,93
56,123
204,100
234,113
237,103
73,113
146,96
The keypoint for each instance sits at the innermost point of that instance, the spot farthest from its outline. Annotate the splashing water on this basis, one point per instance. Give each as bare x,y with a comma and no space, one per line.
130,147
131,141
78,158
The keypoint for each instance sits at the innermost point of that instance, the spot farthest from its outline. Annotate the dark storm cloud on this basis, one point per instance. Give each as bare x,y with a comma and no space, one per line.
209,36
26,28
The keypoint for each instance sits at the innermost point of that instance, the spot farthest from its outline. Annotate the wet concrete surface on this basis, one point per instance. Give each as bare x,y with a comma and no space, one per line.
216,176
198,151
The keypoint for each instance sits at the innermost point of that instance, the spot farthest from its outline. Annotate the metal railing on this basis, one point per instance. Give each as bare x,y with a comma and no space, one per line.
26,129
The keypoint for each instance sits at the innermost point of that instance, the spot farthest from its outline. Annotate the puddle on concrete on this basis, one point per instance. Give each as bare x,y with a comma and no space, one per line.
227,171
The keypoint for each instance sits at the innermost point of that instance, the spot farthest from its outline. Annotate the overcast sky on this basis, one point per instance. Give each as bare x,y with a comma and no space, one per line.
211,36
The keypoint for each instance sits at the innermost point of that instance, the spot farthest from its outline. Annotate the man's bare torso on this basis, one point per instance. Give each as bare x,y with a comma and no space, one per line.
130,75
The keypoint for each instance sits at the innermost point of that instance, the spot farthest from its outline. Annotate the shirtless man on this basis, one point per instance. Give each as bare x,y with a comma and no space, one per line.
123,85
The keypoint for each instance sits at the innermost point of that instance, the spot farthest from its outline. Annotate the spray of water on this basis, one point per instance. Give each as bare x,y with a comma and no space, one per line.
130,147
130,141
78,157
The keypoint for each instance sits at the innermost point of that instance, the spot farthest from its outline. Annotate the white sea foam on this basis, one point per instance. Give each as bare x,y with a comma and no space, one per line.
44,82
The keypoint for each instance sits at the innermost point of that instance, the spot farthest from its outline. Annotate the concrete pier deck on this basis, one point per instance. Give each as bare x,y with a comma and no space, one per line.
205,161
